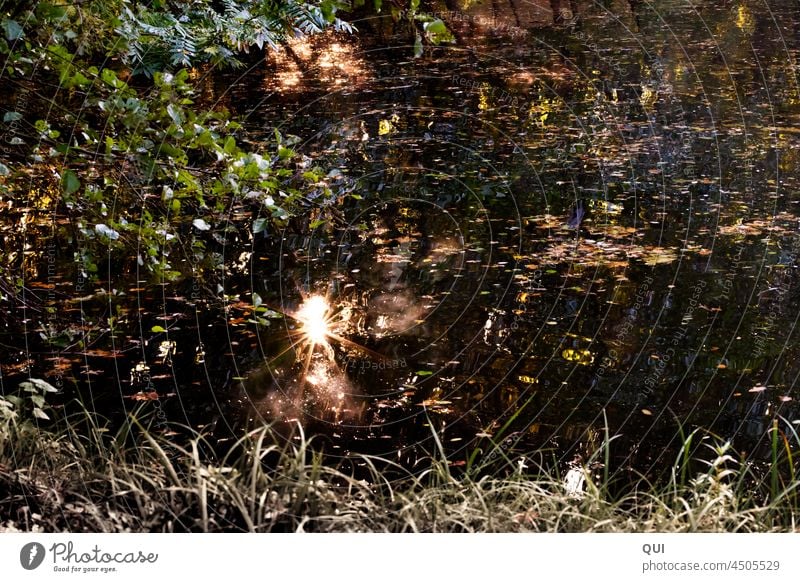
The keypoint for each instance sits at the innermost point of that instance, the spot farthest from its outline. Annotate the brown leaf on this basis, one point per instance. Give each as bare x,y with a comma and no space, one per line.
145,396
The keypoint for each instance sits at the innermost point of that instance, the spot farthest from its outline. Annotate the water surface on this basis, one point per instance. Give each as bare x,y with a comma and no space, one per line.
578,215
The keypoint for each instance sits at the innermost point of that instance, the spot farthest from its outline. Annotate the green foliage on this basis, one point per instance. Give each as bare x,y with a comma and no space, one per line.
29,403
424,26
184,168
146,176
152,37
198,32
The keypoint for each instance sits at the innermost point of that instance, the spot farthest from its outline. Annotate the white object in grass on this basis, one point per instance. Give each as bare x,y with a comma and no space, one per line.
575,482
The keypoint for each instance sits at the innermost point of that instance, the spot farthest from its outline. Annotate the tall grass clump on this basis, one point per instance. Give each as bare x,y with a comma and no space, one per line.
77,474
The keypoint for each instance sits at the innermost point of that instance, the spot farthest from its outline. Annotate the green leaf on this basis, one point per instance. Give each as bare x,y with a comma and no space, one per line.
175,114
46,10
157,329
16,401
78,79
259,225
12,116
230,145
12,29
44,386
437,31
423,372
70,182
328,9
257,301
172,152
418,47
435,27
37,385
39,413
110,78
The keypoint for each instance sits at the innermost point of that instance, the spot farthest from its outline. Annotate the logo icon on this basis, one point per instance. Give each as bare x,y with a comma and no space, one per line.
31,555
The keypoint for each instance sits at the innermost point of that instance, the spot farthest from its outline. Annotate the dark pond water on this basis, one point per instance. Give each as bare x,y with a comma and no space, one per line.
583,220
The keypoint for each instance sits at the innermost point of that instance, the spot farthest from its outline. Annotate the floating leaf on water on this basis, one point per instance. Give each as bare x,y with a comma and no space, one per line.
659,256
145,396
166,350
387,126
582,357
140,372
436,404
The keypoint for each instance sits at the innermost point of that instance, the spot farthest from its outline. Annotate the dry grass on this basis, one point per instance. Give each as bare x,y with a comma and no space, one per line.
84,478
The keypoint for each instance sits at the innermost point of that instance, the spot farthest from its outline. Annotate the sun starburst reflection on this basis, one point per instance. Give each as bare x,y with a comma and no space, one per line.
320,384
313,315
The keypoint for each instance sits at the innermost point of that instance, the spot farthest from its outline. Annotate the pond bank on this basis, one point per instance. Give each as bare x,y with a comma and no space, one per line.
83,480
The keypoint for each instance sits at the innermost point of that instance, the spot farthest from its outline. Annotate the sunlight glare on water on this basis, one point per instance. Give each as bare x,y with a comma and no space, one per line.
312,315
